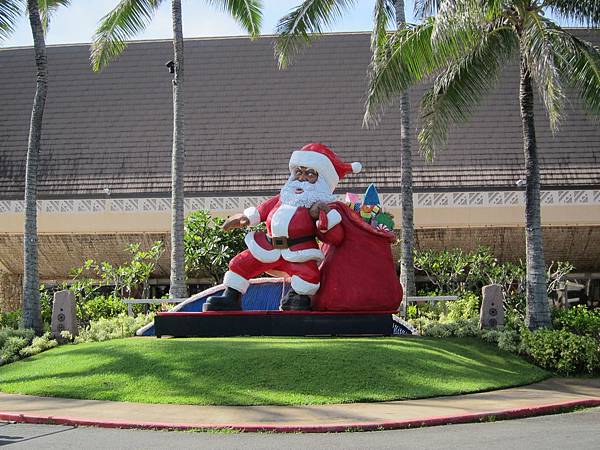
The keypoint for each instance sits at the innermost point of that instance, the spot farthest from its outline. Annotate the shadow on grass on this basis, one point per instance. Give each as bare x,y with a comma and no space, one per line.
254,371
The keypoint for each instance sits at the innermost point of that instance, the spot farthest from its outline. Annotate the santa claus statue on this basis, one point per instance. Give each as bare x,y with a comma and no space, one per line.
299,215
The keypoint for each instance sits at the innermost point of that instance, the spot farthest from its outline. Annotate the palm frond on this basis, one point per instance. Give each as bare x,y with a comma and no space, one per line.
383,15
584,12
412,54
460,23
309,17
247,12
427,8
405,58
459,87
538,50
10,11
578,62
126,20
47,8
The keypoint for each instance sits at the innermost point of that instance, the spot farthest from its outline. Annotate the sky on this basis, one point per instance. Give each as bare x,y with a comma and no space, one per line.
76,24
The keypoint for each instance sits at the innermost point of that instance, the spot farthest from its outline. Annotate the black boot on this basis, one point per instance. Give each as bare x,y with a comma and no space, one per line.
295,302
229,300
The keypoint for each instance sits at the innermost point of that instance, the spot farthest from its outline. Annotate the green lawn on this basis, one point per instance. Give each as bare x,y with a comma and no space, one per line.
261,371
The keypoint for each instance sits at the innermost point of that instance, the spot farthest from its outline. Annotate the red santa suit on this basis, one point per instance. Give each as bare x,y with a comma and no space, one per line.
296,252
267,253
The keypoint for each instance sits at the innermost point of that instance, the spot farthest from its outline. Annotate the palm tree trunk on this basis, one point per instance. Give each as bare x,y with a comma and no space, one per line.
178,287
407,268
538,311
31,284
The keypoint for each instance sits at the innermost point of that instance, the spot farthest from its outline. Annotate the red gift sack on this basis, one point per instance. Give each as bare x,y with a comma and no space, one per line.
359,274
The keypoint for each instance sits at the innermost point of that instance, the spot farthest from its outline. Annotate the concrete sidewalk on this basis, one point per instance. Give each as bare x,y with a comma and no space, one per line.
552,395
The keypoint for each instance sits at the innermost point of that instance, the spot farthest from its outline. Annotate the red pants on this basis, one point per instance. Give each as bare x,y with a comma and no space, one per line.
247,266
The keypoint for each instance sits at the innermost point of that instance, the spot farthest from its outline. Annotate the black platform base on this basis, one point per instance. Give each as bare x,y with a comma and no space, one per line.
273,323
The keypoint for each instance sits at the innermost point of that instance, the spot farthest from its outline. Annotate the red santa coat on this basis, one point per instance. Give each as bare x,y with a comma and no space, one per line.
291,222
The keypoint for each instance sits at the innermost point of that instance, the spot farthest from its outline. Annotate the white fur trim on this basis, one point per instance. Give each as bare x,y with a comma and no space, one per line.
235,281
299,256
333,218
356,167
263,255
252,214
281,219
317,161
304,287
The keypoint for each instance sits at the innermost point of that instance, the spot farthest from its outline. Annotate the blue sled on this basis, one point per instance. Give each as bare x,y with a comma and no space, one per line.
264,294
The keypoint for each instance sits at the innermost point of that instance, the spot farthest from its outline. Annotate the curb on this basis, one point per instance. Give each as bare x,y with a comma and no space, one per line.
531,411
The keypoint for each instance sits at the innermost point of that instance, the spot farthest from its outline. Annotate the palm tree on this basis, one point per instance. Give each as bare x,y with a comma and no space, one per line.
39,12
466,45
310,17
126,20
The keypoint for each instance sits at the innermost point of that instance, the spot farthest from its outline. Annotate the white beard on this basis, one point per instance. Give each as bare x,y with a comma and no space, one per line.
313,193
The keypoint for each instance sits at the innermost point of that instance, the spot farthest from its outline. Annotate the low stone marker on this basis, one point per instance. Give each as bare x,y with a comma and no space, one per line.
492,307
64,316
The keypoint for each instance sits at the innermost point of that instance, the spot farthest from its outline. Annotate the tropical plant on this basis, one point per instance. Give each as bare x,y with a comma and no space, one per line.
311,16
465,46
126,20
579,320
39,12
93,279
208,249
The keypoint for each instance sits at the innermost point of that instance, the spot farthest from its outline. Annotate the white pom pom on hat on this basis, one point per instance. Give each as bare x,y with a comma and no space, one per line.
322,159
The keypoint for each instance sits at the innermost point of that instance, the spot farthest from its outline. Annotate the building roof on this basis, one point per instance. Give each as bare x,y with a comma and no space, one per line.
244,117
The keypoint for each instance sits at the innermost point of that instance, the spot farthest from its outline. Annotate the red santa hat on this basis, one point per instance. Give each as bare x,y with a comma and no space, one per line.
321,158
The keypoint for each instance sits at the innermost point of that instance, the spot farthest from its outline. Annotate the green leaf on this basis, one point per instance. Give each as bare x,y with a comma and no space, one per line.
406,57
538,49
247,12
47,8
311,16
383,14
584,12
578,63
459,87
10,11
127,19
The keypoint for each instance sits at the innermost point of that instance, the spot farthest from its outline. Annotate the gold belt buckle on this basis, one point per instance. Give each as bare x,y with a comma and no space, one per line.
280,243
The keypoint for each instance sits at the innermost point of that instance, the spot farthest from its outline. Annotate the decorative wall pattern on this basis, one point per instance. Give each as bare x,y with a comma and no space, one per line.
392,200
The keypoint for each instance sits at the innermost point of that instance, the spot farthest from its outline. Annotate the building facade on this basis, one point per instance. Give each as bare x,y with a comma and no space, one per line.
104,175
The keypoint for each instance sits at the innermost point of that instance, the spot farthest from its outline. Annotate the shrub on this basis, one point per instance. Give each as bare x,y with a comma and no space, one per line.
456,272
103,306
38,345
460,328
114,328
465,308
491,336
99,286
561,351
12,342
6,333
11,349
509,340
11,319
579,320
208,249
434,312
46,302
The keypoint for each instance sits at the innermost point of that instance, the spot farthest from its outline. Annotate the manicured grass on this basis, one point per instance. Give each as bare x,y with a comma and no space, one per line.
260,371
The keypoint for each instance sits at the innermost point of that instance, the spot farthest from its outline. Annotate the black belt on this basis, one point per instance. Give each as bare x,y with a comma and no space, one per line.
284,242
